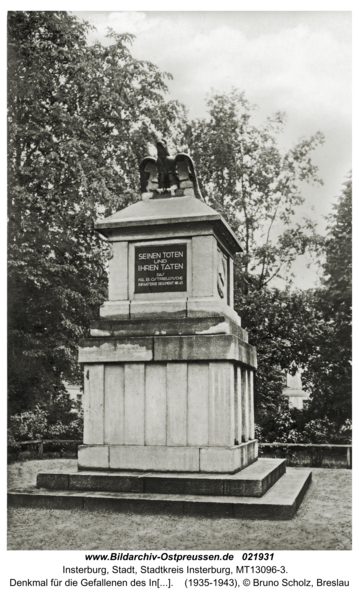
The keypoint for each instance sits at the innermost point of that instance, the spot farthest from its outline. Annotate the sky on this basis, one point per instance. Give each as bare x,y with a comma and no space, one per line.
291,61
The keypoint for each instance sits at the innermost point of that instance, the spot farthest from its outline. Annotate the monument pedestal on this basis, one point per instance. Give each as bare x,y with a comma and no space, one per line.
159,402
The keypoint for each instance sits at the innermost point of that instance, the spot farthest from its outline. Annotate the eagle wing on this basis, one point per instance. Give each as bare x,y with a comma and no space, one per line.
185,170
148,174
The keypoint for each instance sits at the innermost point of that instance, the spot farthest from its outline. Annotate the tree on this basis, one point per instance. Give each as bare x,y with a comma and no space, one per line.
245,176
311,329
257,187
329,370
284,326
79,120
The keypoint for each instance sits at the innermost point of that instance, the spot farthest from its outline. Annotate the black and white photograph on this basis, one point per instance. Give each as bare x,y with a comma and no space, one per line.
179,350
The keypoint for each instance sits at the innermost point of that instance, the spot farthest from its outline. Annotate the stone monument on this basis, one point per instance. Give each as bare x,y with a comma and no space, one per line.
168,368
168,371
297,397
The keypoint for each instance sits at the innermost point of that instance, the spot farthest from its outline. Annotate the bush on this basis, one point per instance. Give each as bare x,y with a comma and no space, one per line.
56,423
298,427
29,425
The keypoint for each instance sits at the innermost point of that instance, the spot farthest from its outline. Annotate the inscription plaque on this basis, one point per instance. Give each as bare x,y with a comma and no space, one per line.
161,268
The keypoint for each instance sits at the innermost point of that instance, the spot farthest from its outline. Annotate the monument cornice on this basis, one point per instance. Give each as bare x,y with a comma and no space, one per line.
174,212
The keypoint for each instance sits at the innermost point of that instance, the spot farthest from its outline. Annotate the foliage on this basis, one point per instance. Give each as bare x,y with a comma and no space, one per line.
282,324
246,177
29,425
56,422
328,373
79,119
311,329
257,187
297,427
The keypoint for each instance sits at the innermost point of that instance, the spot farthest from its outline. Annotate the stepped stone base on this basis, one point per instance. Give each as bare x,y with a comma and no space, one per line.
168,458
252,481
281,501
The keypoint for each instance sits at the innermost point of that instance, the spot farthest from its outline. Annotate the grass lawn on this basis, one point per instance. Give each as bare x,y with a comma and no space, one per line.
323,522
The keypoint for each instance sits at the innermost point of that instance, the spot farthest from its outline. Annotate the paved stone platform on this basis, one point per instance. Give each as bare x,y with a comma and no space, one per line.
281,501
255,480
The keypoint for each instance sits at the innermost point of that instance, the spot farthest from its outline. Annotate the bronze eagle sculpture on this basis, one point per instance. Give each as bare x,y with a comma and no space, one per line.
168,173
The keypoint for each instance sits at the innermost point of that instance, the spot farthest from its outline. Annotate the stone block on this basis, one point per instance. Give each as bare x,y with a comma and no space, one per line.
204,347
93,457
183,484
251,404
114,407
118,272
135,404
159,326
204,486
231,283
177,375
255,479
51,501
281,501
175,309
93,404
301,488
52,481
134,505
221,404
197,402
204,269
128,349
211,307
237,405
228,460
245,405
218,509
279,512
115,309
164,231
156,405
106,482
154,458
